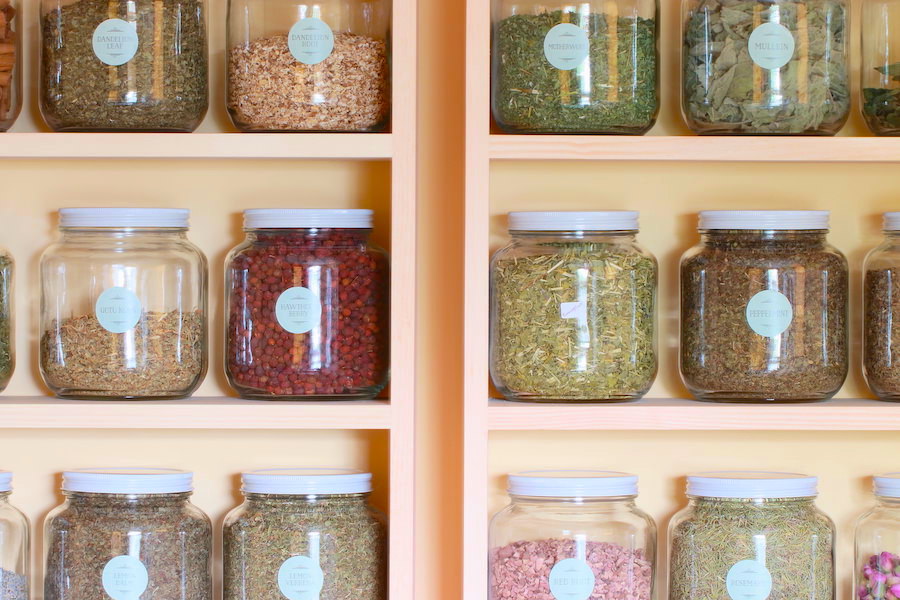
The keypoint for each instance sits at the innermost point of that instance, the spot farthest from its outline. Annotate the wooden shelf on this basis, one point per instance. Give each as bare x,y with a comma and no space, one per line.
691,415
695,148
195,413
361,146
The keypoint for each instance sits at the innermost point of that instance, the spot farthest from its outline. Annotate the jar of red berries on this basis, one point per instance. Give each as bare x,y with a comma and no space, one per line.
307,300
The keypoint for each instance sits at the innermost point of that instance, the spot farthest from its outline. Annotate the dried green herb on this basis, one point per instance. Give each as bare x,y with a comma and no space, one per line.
168,535
881,106
605,95
881,337
574,321
163,356
163,87
723,358
725,91
13,586
793,540
350,541
7,357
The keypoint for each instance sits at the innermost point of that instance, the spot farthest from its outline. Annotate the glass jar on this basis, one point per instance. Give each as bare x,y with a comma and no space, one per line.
307,296
308,66
765,66
126,534
572,534
751,535
881,313
10,64
573,309
877,572
558,68
880,101
14,545
763,308
123,305
7,329
123,65
305,533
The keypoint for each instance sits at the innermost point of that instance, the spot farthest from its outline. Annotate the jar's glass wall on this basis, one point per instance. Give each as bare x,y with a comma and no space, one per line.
124,65
877,562
304,66
10,63
762,67
881,66
881,318
7,328
14,551
566,68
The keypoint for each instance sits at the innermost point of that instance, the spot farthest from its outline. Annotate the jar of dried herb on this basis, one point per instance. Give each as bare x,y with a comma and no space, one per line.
295,65
307,306
751,535
766,66
123,65
123,310
572,534
573,309
881,313
880,99
14,545
877,572
305,533
7,331
558,68
764,308
10,64
125,534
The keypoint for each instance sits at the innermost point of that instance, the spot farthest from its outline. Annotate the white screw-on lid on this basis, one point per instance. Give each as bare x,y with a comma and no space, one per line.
124,217
609,220
6,481
128,481
764,219
751,484
573,484
307,218
887,485
892,221
306,482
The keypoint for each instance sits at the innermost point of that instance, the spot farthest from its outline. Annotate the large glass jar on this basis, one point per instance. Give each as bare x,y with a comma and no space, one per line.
877,564
123,65
573,309
562,68
572,534
307,297
764,308
295,65
10,64
123,305
751,535
765,66
7,329
880,101
881,313
14,545
125,534
305,533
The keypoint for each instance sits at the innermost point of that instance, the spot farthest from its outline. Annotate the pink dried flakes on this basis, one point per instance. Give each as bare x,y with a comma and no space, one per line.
521,570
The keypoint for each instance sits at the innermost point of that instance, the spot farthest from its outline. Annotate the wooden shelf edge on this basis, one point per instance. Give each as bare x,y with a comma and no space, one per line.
194,413
351,146
691,415
696,148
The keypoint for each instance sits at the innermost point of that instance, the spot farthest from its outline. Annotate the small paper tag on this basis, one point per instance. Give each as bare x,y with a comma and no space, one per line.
573,310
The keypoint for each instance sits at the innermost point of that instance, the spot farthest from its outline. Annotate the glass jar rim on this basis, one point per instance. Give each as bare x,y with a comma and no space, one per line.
571,484
124,218
746,485
572,220
306,482
308,218
128,481
764,220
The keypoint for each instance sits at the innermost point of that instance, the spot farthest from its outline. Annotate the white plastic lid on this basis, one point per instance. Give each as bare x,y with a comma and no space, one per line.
572,484
764,219
128,481
887,485
306,482
124,217
609,220
751,484
5,481
307,218
892,221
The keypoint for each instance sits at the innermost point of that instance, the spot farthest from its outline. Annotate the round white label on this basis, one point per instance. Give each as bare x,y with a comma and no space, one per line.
566,46
298,310
771,45
300,578
572,579
115,41
311,40
748,580
769,313
118,309
125,578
